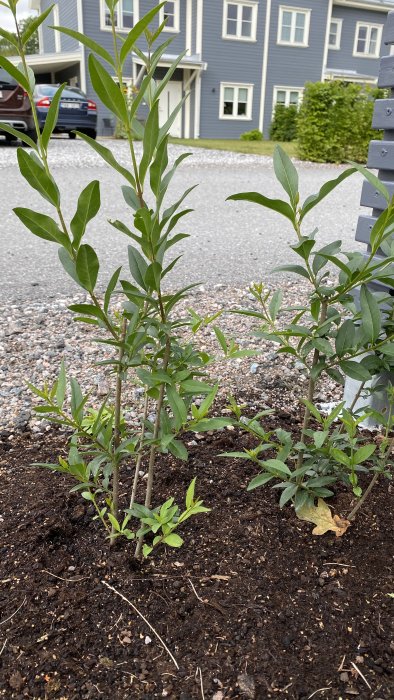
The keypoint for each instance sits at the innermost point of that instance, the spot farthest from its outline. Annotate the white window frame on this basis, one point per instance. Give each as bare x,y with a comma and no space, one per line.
119,10
294,10
249,104
175,28
56,22
337,45
288,89
370,26
238,36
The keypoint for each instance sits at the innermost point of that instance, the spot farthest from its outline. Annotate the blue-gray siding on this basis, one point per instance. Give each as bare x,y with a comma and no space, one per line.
343,58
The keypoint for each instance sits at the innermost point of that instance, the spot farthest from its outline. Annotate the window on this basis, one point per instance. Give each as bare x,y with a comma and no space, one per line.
334,39
288,96
126,15
170,12
239,20
293,28
236,101
367,40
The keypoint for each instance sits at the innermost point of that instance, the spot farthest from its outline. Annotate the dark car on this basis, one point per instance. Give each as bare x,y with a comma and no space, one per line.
15,108
76,111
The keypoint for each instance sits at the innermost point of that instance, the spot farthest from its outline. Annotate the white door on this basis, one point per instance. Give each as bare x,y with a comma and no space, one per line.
169,99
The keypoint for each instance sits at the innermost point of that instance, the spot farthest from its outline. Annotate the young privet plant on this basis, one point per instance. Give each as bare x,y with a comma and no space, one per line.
144,333
330,335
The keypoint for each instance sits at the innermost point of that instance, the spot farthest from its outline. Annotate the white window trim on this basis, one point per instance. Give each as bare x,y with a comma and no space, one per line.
307,12
369,25
238,37
249,106
119,8
288,89
337,45
56,22
176,27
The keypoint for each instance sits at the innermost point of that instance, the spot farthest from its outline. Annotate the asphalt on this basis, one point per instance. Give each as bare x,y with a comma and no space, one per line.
231,243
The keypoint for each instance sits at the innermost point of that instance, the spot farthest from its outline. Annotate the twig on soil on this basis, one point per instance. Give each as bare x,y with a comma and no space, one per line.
361,674
143,618
320,690
340,667
3,647
195,592
201,684
339,563
14,613
67,580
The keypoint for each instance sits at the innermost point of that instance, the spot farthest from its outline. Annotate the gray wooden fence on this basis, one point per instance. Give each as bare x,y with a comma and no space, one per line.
381,157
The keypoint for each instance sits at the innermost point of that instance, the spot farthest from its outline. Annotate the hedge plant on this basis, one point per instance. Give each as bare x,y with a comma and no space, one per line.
334,122
284,123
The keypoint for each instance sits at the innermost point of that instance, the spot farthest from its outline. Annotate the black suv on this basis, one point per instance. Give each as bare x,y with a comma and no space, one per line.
15,108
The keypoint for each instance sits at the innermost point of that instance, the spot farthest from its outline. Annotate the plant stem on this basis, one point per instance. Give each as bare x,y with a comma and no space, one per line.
152,455
117,418
311,387
140,455
371,484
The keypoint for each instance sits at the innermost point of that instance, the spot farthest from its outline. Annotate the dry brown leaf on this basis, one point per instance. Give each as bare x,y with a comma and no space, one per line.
324,520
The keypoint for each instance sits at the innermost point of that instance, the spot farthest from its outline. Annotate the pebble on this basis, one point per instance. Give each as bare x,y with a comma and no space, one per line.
37,335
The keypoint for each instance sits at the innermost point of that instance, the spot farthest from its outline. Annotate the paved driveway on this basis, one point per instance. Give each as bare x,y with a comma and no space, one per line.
231,242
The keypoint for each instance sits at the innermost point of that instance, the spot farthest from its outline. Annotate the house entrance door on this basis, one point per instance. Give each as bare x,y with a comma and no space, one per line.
169,99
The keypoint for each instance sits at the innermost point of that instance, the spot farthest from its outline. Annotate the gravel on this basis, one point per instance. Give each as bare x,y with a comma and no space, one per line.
35,337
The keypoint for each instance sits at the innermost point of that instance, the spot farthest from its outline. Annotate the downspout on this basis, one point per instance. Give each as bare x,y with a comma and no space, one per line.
265,64
81,46
197,89
325,55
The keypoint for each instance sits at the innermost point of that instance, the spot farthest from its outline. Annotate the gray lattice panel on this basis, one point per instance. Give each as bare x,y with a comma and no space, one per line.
388,31
383,115
364,228
371,197
386,72
381,155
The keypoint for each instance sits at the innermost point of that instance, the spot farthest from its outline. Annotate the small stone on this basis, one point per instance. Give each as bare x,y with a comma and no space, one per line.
60,343
148,640
344,677
247,685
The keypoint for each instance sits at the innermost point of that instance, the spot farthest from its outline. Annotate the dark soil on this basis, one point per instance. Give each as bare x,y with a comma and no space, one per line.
252,606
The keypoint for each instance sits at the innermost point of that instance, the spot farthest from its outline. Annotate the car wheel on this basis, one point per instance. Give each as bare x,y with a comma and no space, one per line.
71,135
9,138
92,133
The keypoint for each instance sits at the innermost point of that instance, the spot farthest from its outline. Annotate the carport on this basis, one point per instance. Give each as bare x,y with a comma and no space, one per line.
56,68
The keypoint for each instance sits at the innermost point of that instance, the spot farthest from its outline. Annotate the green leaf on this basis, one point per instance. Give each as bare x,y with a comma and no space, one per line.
83,39
275,303
319,438
61,386
363,453
192,386
287,175
355,370
206,424
173,540
15,72
8,36
151,134
277,205
287,494
178,449
314,199
52,116
107,155
87,310
276,465
371,321
259,480
69,265
113,522
138,266
111,286
77,400
345,337
87,208
137,31
178,406
372,179
190,494
34,24
87,267
221,338
19,135
42,226
33,171
109,92
297,269
340,456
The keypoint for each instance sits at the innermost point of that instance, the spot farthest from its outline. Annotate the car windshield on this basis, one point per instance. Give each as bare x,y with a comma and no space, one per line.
50,90
7,81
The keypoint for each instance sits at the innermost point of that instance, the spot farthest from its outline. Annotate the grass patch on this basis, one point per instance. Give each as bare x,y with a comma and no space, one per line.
260,148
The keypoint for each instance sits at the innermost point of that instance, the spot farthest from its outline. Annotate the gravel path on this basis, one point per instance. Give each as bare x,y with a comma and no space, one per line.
231,244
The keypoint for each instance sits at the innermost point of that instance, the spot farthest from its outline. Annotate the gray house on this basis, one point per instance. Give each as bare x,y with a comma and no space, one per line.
242,56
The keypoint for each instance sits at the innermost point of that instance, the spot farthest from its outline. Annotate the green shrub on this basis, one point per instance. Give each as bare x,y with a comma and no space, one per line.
284,123
254,135
334,122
